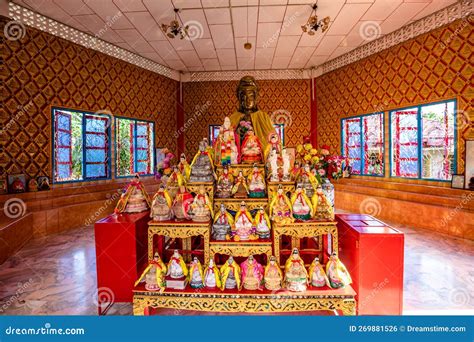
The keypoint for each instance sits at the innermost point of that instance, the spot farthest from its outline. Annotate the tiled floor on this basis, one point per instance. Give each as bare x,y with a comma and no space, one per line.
57,275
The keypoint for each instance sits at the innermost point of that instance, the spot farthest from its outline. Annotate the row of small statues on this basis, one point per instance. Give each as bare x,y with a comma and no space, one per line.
250,274
282,209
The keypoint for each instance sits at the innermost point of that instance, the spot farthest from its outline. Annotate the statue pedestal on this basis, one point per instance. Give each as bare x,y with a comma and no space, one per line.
176,284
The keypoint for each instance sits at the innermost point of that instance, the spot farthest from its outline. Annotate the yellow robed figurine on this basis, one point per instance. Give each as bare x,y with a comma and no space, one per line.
240,188
317,276
247,94
296,276
230,275
161,205
175,180
201,208
176,266
184,166
307,180
273,275
135,199
261,223
196,274
243,225
212,276
222,225
322,207
337,273
273,144
280,207
154,275
301,205
202,166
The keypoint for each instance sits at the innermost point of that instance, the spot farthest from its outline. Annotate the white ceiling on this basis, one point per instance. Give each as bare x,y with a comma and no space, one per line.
223,26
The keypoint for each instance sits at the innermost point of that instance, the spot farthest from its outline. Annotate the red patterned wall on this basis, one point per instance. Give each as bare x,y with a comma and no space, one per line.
42,70
432,67
210,102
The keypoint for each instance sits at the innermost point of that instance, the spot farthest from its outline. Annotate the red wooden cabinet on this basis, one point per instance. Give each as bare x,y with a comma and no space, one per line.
373,254
122,253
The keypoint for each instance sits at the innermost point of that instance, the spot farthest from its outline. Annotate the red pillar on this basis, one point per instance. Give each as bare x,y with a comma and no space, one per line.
180,117
314,113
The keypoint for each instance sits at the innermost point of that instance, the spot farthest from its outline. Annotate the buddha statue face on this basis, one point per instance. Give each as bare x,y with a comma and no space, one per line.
247,94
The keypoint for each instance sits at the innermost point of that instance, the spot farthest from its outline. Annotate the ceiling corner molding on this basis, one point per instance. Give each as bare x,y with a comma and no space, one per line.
40,22
459,10
206,76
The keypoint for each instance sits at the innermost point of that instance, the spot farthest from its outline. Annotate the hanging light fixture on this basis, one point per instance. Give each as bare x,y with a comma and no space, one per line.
313,24
175,28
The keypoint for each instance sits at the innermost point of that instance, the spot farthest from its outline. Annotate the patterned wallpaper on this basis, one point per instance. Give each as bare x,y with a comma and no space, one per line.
207,103
434,66
42,70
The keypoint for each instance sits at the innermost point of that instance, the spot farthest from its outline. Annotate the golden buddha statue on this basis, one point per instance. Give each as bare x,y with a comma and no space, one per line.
247,94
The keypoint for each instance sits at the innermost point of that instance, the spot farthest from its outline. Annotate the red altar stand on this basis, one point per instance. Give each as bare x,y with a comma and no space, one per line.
373,254
121,245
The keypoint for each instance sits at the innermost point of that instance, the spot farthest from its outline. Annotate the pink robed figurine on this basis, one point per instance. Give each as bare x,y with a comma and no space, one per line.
252,274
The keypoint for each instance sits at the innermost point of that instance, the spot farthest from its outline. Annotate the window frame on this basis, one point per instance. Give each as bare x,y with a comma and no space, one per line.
153,149
420,140
362,142
83,133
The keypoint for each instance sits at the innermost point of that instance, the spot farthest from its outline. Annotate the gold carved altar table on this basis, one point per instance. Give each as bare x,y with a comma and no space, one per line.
179,229
241,248
194,187
245,301
234,203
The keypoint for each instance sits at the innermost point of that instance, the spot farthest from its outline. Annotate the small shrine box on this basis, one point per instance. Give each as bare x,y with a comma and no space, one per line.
373,254
121,244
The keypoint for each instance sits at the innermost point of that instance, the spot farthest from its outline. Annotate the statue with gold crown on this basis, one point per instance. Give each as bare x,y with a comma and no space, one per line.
161,205
261,223
296,276
256,181
222,226
252,274
201,208
135,198
307,180
175,180
248,114
196,274
337,273
273,275
225,183
154,274
176,266
240,188
230,275
212,276
251,150
322,207
243,225
301,205
317,276
182,204
184,167
202,166
280,207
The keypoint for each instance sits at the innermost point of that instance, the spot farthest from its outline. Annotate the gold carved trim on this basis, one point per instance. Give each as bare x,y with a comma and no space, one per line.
242,249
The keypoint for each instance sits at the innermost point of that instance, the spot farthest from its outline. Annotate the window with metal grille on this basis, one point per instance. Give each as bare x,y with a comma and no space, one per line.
81,146
134,147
